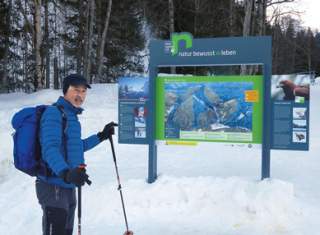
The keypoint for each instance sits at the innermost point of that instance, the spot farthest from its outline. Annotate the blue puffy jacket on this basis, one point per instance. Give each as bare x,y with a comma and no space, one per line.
52,144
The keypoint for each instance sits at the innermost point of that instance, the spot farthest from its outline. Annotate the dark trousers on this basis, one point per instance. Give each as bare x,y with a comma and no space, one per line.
58,205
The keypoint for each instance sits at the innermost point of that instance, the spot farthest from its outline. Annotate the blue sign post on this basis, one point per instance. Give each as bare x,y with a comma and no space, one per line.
183,50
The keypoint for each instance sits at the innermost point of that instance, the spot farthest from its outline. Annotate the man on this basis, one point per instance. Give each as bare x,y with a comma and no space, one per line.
64,155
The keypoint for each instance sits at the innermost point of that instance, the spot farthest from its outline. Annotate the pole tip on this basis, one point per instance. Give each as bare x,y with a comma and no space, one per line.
128,232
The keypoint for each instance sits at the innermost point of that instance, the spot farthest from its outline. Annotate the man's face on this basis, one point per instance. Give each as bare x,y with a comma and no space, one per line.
76,95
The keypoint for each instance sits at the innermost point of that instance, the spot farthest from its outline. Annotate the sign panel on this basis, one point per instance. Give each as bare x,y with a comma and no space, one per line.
206,108
133,112
290,112
184,50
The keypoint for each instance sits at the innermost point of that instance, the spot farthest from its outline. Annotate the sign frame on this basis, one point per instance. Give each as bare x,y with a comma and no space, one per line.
183,50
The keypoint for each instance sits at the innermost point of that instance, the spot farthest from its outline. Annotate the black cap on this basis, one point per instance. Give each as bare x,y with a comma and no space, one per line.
74,80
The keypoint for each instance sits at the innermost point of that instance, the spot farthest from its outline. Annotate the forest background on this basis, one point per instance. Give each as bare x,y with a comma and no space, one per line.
42,41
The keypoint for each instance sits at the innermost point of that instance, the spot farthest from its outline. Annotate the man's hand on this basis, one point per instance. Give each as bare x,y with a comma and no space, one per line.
107,131
77,176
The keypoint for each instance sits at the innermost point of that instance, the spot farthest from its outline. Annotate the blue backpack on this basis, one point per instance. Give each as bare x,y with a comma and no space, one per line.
27,148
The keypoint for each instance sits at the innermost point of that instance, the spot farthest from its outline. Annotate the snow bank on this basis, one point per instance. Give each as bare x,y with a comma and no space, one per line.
226,206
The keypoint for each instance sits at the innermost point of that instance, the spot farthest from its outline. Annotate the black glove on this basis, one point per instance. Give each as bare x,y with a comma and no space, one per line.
107,131
77,176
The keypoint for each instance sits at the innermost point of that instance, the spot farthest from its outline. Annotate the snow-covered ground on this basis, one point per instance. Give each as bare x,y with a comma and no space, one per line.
201,190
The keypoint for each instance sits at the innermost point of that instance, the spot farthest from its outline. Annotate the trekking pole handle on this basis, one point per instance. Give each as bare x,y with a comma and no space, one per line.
89,182
83,166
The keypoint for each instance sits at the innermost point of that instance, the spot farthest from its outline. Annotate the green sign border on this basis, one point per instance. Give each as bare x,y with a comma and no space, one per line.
257,106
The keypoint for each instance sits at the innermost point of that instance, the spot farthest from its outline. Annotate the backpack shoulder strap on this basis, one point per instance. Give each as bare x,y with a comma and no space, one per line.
64,127
64,117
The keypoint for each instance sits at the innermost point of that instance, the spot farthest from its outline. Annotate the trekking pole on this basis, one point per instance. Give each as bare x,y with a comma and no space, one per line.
82,166
119,185
79,210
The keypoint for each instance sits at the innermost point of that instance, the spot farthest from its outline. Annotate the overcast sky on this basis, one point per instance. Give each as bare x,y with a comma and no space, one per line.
310,15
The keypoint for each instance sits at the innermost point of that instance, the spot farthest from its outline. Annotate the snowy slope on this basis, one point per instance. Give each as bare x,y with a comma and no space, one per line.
201,190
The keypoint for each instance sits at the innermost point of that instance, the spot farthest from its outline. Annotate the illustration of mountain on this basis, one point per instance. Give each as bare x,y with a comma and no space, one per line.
201,107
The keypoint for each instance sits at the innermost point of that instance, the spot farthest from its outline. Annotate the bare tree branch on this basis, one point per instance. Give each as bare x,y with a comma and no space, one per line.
270,3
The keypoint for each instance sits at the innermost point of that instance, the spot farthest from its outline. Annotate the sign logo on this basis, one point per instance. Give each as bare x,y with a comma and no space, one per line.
176,38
